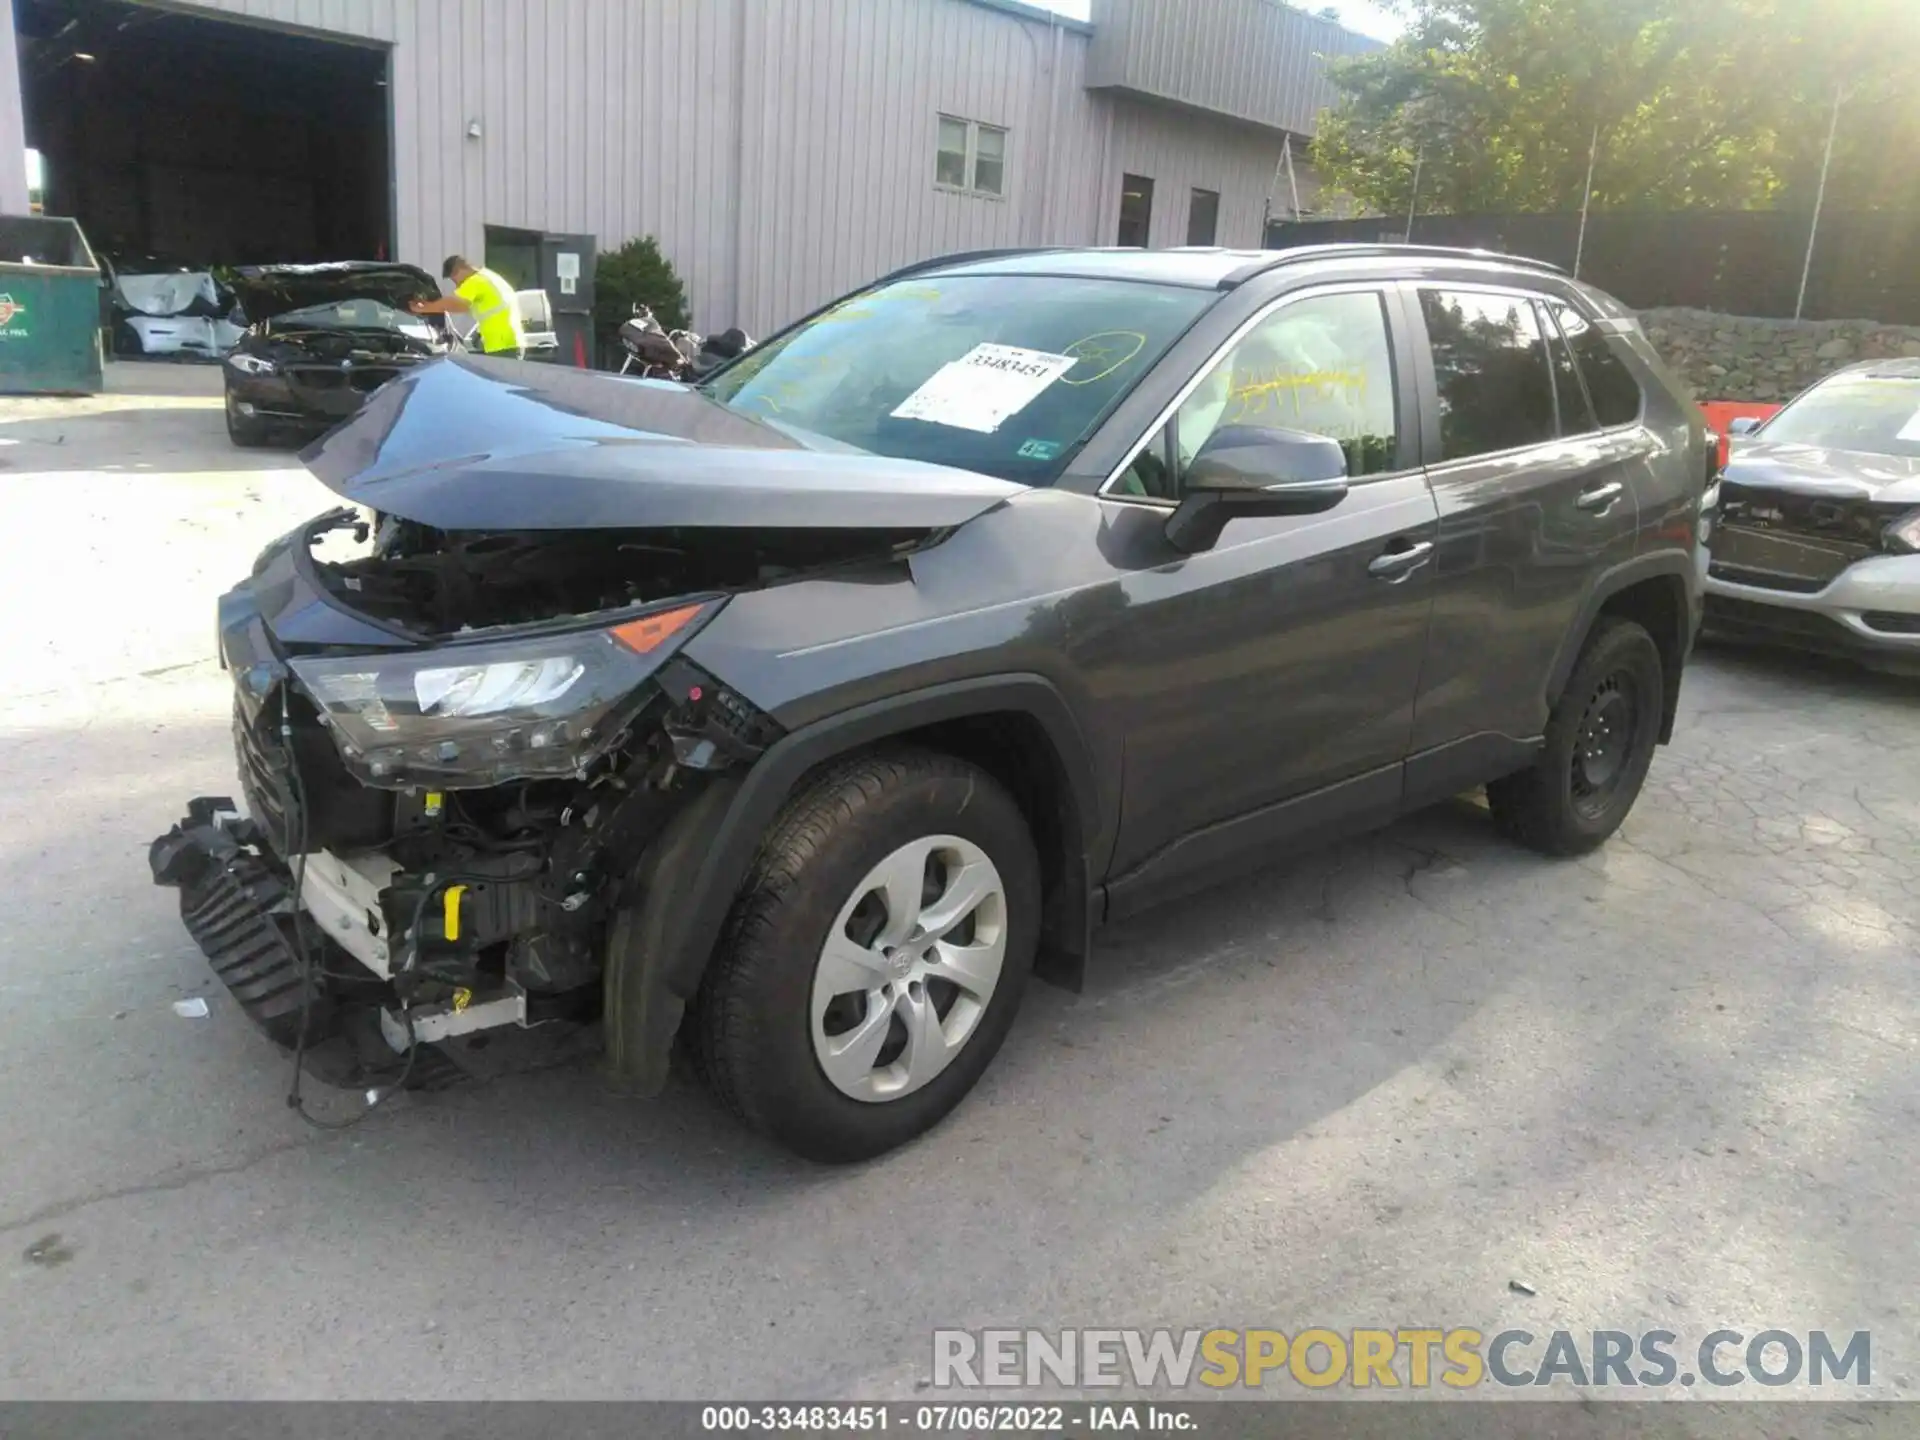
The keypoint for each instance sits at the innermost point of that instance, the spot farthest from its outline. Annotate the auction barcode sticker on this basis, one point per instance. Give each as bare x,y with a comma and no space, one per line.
983,387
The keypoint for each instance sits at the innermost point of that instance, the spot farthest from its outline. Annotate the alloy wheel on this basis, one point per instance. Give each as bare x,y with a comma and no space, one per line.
908,968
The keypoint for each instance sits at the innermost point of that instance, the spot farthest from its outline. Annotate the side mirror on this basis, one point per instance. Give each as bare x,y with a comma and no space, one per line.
1745,425
1244,471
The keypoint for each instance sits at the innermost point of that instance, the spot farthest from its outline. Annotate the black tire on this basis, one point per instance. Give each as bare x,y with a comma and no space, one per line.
1600,740
246,431
751,1029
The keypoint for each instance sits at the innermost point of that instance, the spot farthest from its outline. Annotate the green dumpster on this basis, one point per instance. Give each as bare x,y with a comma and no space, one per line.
49,308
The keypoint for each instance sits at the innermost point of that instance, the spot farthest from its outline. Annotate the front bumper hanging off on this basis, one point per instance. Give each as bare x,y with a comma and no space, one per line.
236,900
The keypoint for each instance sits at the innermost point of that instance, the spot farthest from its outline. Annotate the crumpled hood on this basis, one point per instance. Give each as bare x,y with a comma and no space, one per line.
265,291
1816,470
469,443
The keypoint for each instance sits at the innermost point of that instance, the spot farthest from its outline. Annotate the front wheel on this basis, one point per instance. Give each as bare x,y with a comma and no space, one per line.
1600,741
875,958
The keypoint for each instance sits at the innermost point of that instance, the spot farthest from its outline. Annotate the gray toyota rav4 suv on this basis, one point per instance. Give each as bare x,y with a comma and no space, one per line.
802,713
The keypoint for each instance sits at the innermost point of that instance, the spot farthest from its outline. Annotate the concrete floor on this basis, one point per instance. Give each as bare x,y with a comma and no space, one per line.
1672,1085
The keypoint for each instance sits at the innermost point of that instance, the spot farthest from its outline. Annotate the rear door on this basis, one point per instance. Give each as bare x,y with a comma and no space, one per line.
1536,500
1282,663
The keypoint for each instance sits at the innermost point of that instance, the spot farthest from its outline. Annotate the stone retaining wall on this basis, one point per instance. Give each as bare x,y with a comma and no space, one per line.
1731,357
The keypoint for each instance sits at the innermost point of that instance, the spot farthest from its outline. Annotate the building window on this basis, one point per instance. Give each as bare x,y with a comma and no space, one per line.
972,157
1203,217
1136,209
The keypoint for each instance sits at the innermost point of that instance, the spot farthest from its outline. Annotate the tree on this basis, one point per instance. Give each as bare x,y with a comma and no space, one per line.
635,274
1696,103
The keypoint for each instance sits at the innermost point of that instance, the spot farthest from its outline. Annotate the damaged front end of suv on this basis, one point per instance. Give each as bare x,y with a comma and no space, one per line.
470,745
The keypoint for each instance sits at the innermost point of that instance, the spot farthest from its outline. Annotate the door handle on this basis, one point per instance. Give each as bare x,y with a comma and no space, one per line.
1398,564
1601,497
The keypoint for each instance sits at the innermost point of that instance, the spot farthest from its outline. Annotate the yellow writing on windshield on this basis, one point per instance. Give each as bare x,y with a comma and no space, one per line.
1102,353
861,306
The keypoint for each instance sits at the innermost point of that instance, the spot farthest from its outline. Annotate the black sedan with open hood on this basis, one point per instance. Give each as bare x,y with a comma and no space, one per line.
319,340
802,713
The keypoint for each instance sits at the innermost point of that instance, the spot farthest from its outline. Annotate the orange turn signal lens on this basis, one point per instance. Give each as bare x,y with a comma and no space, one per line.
648,631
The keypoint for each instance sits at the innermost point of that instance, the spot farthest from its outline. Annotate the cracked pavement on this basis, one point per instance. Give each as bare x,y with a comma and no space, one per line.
1670,1085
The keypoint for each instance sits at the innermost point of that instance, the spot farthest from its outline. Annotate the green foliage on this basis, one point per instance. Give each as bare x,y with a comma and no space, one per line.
636,273
1697,103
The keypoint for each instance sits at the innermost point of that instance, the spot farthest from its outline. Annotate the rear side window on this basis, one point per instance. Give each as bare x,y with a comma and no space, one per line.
1490,367
1576,415
1616,394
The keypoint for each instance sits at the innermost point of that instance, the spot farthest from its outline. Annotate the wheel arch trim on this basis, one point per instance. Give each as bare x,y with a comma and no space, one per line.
659,946
1679,568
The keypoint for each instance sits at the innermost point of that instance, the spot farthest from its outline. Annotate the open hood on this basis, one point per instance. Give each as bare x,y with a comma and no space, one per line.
1824,472
265,291
472,444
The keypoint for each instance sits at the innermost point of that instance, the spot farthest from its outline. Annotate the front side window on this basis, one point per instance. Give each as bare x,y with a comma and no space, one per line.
1616,394
1874,414
1490,368
971,157
1322,365
1003,374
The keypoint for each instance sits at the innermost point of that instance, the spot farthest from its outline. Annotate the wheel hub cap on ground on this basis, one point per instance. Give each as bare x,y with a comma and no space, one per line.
908,968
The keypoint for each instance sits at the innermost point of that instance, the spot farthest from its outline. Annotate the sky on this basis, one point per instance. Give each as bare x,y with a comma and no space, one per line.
1362,15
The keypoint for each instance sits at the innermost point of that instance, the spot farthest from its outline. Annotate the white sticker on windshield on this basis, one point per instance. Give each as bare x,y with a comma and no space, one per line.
1910,430
983,387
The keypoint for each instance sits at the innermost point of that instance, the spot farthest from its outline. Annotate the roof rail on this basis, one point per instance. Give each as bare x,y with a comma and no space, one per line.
1273,259
963,257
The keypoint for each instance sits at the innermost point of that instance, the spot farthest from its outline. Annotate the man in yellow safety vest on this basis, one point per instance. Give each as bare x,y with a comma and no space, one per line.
483,294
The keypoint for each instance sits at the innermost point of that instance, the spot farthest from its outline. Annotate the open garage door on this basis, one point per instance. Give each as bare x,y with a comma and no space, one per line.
181,141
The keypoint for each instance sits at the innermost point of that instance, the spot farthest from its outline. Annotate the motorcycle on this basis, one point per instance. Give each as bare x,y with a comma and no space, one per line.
656,353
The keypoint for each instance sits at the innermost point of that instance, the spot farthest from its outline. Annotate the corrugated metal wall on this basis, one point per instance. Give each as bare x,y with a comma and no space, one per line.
13,130
610,117
1260,60
368,19
1182,153
819,117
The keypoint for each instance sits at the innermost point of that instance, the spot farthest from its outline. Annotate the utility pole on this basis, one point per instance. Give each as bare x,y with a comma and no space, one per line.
1819,200
1586,201
1413,205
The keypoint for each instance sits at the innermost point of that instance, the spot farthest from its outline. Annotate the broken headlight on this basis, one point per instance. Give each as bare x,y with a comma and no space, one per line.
467,716
1905,533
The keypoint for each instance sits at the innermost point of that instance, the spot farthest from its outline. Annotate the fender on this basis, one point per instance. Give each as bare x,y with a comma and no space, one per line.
657,950
1678,565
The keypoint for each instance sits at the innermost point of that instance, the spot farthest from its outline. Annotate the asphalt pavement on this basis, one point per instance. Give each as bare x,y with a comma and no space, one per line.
1421,1078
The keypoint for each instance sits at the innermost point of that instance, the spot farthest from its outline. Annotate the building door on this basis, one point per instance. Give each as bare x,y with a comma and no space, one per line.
1203,217
1136,210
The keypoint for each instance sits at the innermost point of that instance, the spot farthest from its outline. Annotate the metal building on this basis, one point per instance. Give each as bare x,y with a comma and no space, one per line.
781,151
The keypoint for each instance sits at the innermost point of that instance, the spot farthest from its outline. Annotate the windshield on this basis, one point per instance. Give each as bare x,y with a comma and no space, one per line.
1003,374
1879,414
359,314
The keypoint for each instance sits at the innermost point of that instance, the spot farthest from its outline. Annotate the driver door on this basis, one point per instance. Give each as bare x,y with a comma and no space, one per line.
1272,697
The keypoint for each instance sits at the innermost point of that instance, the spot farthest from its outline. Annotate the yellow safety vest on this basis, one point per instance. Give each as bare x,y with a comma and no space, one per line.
497,317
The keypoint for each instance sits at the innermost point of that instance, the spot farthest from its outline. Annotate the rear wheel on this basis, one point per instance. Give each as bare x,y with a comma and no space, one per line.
245,430
1600,741
875,958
